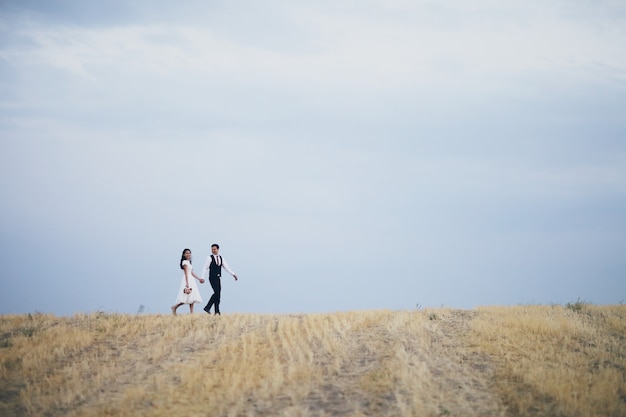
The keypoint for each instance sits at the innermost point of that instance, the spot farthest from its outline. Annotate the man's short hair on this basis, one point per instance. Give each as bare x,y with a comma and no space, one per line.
215,245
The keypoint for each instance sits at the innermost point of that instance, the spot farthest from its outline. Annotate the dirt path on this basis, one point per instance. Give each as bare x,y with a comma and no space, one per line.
459,371
442,363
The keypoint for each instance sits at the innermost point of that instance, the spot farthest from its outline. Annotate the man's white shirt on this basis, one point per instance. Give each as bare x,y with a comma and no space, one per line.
207,264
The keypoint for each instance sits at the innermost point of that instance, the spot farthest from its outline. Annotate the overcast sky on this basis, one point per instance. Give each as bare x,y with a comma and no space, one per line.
345,155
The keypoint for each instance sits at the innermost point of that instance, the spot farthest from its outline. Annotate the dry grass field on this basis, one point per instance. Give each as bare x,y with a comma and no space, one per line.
493,361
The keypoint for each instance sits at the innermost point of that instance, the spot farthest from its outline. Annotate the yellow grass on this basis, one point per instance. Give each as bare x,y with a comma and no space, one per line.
492,361
556,361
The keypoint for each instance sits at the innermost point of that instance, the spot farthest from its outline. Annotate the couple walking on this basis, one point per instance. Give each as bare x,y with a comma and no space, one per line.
188,292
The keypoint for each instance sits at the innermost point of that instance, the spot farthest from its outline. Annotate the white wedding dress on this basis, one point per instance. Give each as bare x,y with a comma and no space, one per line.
194,296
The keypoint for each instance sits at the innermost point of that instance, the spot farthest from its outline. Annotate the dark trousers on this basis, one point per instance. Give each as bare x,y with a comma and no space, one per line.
216,284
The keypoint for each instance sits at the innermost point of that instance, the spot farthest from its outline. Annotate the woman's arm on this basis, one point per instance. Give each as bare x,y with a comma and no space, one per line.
197,277
186,267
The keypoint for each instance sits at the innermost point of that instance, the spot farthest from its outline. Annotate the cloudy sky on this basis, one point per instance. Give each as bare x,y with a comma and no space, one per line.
345,155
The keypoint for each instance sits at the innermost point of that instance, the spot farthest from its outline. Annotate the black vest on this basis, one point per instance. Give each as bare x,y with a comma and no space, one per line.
215,270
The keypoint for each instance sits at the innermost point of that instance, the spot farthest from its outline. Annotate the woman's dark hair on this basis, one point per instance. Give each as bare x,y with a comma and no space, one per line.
182,258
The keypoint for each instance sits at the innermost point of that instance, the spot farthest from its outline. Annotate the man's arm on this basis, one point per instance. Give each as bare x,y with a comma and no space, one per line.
227,268
207,264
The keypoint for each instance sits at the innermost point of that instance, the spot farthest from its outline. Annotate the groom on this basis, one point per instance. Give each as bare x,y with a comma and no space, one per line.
214,264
